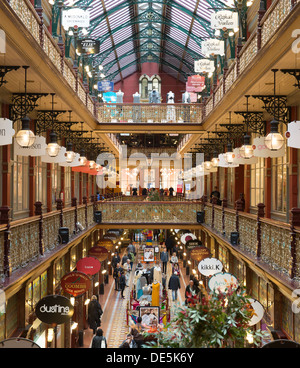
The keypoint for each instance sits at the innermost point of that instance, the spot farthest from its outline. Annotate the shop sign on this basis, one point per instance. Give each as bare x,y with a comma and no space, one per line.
204,66
75,283
18,343
75,17
212,47
37,149
193,243
292,134
88,46
106,243
260,149
100,253
186,237
106,86
220,282
195,83
199,253
224,19
210,266
258,312
55,309
89,265
6,131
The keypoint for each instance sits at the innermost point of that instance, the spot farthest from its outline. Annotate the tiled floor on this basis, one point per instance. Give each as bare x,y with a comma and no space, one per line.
113,321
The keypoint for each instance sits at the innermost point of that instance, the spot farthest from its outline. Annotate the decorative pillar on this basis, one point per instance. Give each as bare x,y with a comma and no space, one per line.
238,51
32,182
6,175
39,9
85,201
5,219
238,207
59,207
49,185
261,13
260,213
293,168
247,187
295,221
74,204
224,205
39,212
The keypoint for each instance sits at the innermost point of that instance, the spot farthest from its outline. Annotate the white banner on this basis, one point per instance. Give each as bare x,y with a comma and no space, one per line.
261,150
204,66
224,163
6,131
2,42
74,163
37,149
224,19
293,134
243,161
213,47
75,17
56,160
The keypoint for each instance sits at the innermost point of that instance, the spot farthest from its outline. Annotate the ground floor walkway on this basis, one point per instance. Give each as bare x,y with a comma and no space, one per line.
114,322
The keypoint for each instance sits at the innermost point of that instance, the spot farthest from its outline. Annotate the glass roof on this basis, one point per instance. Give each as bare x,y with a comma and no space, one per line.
131,32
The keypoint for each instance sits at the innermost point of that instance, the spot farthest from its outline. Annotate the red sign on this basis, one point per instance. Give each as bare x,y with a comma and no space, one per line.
100,253
199,253
195,83
88,265
75,283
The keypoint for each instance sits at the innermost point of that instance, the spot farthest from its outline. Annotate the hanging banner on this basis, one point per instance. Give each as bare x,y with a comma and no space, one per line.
56,160
261,150
75,17
293,134
257,313
88,265
74,163
221,282
75,283
37,149
106,86
213,47
55,309
6,131
210,266
18,343
88,46
106,243
195,83
224,163
224,19
204,66
100,253
199,253
243,161
193,243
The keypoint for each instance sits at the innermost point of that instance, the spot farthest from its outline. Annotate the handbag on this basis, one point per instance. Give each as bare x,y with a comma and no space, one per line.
103,345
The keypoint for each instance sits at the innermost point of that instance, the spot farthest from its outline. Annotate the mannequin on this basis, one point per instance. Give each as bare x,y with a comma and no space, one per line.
157,276
154,97
171,112
120,95
136,110
186,99
155,294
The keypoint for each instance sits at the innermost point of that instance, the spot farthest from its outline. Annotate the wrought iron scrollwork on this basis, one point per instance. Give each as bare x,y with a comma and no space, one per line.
255,120
23,104
4,70
276,106
295,73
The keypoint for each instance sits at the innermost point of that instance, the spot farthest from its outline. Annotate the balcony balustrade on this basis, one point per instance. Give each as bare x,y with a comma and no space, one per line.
150,113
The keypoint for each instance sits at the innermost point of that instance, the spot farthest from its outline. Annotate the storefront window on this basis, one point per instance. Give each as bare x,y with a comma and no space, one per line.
20,182
257,182
55,172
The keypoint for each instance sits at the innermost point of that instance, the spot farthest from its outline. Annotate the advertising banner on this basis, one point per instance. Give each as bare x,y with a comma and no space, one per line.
75,283
88,46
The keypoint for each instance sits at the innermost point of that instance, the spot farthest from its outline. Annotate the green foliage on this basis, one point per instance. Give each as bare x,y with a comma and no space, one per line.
221,320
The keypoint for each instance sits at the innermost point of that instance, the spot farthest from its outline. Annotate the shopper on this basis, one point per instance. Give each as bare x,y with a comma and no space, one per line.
174,285
174,258
191,293
127,268
115,260
94,313
117,275
164,257
128,342
122,283
99,341
136,332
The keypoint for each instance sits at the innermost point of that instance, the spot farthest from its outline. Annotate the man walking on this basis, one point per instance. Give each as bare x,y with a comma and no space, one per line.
174,285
